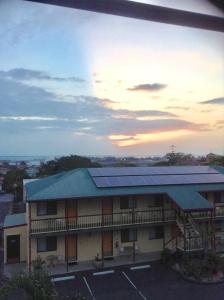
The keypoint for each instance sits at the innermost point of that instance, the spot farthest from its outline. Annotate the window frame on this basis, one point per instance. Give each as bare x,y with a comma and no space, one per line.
127,233
48,240
157,234
128,203
48,208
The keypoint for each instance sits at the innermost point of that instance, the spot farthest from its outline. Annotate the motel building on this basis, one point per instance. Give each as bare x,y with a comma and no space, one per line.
119,215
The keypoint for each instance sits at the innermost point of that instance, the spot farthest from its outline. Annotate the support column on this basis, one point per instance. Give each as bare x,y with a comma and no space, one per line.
184,233
213,231
66,235
29,237
133,222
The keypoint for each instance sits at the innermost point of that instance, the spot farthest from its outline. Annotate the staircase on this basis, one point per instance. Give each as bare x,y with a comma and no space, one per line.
190,238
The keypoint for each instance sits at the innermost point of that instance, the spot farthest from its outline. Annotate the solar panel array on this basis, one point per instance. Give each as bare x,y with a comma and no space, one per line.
152,176
131,171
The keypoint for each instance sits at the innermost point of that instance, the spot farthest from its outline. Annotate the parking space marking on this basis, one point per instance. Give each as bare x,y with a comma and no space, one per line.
140,267
103,272
88,287
139,292
62,278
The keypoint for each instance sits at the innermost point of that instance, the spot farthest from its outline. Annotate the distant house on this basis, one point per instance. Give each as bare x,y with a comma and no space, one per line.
117,214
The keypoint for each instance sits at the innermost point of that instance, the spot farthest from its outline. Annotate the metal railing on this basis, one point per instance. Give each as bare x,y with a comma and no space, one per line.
114,220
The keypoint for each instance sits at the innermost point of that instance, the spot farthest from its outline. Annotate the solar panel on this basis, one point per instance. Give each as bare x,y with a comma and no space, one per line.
131,181
140,171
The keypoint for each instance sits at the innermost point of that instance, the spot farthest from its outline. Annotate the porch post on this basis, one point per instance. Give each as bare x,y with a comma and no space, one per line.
133,222
66,235
213,231
184,233
102,234
29,265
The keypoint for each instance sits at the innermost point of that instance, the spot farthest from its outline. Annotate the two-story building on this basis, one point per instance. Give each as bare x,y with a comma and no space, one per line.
117,215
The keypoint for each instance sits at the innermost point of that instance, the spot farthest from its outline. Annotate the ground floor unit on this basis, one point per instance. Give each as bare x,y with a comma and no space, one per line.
73,251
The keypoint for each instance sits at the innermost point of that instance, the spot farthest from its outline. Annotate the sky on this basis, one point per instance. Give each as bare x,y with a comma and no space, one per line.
77,82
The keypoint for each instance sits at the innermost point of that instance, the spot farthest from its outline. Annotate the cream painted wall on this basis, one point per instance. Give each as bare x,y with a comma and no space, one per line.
88,245
143,243
59,252
22,232
60,211
89,207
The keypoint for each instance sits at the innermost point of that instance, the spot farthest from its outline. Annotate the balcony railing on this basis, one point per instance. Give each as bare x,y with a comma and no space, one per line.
100,221
218,212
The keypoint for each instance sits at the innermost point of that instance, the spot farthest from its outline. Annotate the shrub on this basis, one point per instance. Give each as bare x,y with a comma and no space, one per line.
38,263
37,285
167,257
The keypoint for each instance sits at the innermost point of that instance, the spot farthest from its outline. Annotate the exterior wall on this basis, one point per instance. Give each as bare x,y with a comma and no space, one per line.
143,202
22,232
60,252
89,207
60,211
88,246
143,243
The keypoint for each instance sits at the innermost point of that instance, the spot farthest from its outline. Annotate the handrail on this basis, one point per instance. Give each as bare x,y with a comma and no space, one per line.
102,220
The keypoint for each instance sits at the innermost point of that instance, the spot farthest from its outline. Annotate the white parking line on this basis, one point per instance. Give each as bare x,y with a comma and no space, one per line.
62,278
140,267
139,292
88,287
103,272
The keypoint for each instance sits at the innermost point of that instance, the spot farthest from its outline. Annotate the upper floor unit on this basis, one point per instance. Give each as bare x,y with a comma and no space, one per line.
113,198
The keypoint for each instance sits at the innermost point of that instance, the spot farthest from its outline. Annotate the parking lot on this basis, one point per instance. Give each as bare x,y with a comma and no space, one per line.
151,282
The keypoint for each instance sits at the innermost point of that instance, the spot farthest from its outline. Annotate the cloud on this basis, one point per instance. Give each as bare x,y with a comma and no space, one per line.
214,101
28,74
219,124
124,113
178,107
26,108
148,87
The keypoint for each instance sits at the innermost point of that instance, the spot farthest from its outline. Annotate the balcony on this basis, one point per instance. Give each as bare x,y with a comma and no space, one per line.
204,215
102,222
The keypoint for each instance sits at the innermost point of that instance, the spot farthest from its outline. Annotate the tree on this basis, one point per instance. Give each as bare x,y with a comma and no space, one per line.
179,158
13,182
37,285
65,163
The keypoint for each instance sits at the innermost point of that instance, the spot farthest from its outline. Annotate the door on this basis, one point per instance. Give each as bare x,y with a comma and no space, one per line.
107,211
71,213
107,244
13,248
72,248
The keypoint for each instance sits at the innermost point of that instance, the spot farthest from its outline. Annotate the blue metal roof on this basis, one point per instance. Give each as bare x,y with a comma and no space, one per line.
79,184
189,200
15,220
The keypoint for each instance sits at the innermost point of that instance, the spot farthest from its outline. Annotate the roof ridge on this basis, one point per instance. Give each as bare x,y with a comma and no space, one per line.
66,173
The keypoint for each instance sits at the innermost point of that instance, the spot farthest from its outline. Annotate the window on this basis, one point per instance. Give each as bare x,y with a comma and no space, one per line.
128,235
158,200
48,208
47,244
127,203
156,233
218,197
219,226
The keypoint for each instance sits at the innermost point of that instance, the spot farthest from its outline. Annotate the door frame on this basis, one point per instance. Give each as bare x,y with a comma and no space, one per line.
18,259
67,246
112,244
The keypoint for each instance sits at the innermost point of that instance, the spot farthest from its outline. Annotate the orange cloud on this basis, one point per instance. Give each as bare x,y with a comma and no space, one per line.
144,138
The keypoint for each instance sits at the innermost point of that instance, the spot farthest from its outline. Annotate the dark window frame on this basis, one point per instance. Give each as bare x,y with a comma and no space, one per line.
51,208
126,233
128,203
51,244
158,233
